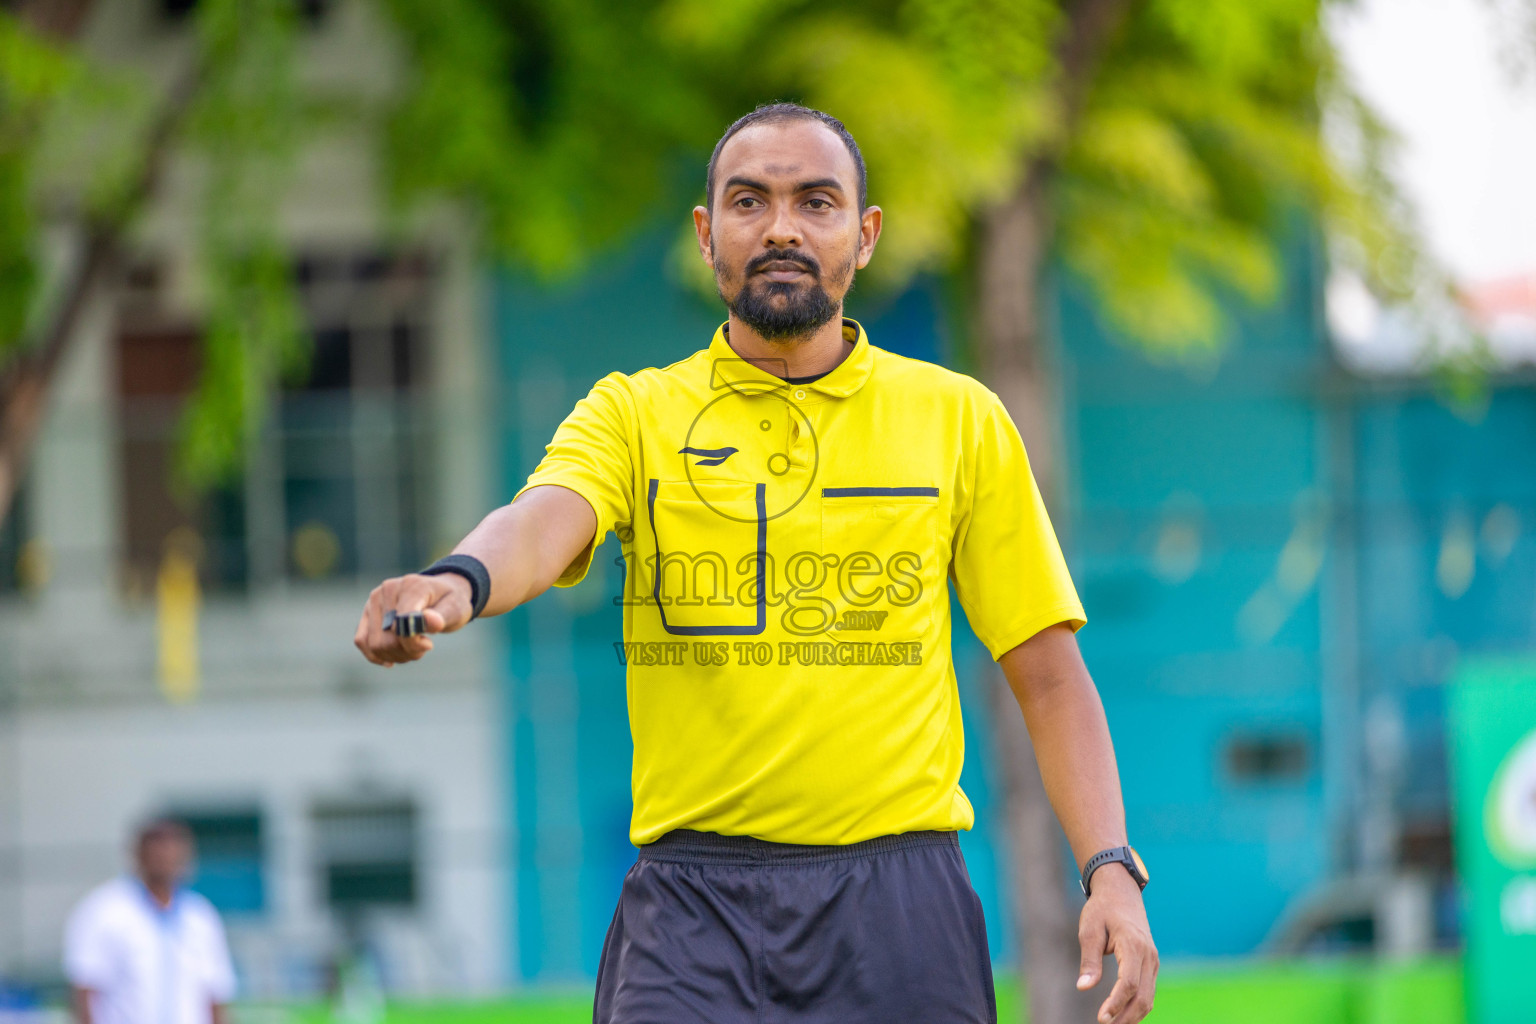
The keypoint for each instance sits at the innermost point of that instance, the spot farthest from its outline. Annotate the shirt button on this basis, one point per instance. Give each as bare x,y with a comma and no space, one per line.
800,393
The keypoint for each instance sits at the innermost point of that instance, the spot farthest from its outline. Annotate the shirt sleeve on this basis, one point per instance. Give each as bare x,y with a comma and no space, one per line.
590,454
88,947
1008,568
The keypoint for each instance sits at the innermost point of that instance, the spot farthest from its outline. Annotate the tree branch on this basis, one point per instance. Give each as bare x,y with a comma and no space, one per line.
27,381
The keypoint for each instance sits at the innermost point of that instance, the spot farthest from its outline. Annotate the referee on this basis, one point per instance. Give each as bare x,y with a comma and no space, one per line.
792,503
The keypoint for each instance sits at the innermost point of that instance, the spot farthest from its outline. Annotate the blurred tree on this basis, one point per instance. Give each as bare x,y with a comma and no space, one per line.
1153,148
83,147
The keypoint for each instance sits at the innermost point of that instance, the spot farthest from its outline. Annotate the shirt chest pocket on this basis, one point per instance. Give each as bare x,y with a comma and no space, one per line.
706,574
886,557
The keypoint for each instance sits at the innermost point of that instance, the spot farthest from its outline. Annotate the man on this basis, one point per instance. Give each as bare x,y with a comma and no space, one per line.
792,502
144,950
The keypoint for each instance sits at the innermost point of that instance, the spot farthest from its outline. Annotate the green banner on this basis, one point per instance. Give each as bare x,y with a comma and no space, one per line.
1493,762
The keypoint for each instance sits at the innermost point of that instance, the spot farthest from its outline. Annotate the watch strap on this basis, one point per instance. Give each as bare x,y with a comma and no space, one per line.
1114,855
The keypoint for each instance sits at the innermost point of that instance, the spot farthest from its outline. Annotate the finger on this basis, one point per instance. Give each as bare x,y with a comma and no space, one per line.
1125,989
450,604
413,593
407,648
367,629
387,644
402,595
360,634
1140,1004
366,648
387,591
380,640
388,648
415,646
1092,937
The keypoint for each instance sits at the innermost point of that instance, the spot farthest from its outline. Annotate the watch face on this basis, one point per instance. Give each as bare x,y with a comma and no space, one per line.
1140,865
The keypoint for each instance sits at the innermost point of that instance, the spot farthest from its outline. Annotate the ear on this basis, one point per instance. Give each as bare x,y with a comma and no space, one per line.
869,234
701,228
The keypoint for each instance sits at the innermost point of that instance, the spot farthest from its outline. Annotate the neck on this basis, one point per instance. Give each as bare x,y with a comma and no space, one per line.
818,352
163,892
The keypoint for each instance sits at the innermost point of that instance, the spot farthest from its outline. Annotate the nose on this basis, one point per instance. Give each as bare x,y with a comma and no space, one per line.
782,232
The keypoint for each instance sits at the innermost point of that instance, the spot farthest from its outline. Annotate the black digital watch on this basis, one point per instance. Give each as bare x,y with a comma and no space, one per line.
1121,854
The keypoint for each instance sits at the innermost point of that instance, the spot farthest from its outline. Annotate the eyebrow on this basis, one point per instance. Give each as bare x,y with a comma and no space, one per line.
748,182
805,186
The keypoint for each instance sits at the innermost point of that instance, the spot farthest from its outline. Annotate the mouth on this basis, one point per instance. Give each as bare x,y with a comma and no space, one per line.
783,270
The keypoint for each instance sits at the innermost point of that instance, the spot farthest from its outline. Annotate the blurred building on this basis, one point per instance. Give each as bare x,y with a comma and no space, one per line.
335,804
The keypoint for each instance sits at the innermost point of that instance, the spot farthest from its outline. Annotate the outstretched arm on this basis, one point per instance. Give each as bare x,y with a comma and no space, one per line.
1077,765
525,546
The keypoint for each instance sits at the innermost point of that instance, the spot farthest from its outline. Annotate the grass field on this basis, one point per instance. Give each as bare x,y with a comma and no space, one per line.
1323,992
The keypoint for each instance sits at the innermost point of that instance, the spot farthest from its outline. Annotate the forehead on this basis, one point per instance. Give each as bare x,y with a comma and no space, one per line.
787,152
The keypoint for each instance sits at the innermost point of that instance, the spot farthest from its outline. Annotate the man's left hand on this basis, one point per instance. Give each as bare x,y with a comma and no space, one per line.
1114,920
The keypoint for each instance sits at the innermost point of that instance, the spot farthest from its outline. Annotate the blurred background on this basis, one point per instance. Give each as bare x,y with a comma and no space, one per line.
292,292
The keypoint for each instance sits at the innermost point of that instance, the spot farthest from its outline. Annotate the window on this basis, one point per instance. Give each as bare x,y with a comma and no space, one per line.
1268,757
229,858
353,436
18,553
341,465
367,854
157,366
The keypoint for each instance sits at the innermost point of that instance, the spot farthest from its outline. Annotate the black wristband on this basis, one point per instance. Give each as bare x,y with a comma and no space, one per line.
472,569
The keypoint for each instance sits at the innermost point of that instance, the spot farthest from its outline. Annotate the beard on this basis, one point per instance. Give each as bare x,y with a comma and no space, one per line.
778,310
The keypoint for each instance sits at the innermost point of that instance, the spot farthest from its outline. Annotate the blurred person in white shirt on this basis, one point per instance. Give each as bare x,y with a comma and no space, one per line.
142,949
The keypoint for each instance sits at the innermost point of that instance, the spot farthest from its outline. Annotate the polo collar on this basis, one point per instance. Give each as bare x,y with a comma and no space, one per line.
727,369
164,914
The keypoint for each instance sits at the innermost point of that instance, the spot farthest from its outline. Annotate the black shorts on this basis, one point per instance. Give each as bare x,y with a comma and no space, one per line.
717,929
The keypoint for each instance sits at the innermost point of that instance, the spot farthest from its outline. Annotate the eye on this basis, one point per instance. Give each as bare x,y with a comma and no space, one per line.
824,204
745,200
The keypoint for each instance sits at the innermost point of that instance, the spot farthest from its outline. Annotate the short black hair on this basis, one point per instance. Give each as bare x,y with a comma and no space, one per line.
161,827
778,113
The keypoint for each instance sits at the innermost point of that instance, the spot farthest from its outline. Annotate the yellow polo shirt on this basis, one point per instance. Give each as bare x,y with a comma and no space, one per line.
787,549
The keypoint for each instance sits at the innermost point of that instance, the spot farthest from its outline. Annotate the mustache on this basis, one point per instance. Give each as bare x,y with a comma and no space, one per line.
768,256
